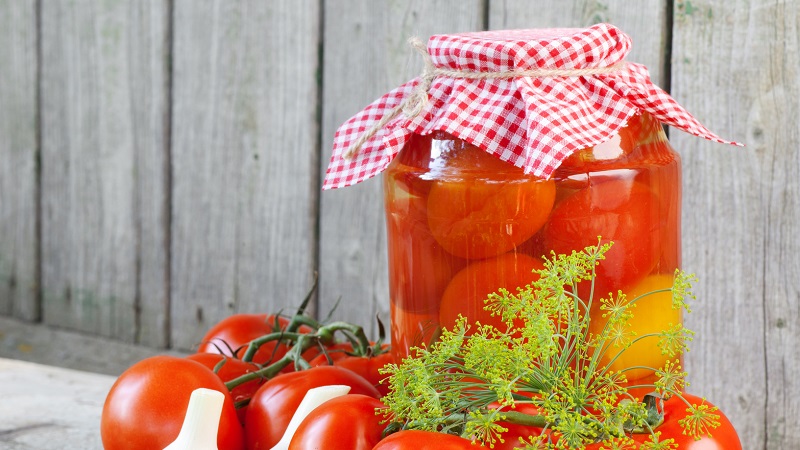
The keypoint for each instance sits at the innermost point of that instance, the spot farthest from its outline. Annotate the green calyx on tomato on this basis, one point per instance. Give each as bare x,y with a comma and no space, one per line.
276,344
232,337
249,358
365,362
548,367
260,338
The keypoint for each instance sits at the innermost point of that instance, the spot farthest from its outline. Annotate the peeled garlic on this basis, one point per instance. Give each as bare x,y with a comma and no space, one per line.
313,398
200,425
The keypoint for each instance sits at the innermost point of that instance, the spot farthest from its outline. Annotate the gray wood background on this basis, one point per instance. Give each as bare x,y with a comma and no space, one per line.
160,168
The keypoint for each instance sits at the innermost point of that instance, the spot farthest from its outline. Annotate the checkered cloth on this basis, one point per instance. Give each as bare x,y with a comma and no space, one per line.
531,122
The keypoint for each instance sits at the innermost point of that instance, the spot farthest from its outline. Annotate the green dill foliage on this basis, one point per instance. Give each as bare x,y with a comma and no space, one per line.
475,377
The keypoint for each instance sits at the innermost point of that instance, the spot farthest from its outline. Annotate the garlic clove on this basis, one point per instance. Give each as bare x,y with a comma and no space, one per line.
201,423
313,398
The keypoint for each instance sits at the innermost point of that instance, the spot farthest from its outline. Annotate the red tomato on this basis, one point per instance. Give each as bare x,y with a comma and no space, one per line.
274,404
487,207
425,440
348,422
469,289
232,335
723,437
366,366
231,369
420,267
618,210
146,406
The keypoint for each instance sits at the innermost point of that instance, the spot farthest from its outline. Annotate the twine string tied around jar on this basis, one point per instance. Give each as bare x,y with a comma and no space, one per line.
413,105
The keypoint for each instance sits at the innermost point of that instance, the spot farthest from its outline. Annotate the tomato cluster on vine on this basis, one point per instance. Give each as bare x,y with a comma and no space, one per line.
265,364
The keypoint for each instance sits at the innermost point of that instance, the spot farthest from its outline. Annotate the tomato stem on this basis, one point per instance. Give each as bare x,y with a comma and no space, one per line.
302,342
255,344
299,320
301,311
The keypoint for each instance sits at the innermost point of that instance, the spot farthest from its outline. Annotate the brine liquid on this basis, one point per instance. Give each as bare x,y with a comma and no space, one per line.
461,224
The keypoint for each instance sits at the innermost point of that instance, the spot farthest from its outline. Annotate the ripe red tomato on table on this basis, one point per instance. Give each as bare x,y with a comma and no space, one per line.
425,440
146,406
276,401
231,369
723,437
231,335
348,422
367,366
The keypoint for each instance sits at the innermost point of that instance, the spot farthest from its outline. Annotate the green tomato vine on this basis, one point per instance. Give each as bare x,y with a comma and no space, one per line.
476,376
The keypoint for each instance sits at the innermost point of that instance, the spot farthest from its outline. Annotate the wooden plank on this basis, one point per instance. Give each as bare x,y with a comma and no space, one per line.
73,350
48,408
245,159
365,56
18,147
646,23
104,167
735,66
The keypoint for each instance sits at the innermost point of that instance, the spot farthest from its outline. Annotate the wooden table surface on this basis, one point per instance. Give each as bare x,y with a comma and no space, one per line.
44,407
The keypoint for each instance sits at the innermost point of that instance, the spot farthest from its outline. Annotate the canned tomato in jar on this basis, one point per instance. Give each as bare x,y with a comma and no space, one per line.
462,223
512,146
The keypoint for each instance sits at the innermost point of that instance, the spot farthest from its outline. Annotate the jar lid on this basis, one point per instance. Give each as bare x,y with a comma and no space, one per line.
528,97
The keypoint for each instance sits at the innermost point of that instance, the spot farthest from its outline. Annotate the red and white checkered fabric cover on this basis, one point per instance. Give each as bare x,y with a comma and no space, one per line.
531,122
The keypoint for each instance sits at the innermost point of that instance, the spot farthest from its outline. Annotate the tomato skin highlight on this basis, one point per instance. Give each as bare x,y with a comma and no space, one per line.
275,402
425,440
146,406
348,422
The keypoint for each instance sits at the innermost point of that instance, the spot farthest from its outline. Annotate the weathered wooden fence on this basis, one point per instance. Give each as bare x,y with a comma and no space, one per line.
160,166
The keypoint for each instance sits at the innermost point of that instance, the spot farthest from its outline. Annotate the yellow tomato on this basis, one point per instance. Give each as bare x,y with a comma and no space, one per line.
652,314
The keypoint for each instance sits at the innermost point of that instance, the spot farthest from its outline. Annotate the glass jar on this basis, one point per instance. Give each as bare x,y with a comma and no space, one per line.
461,223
